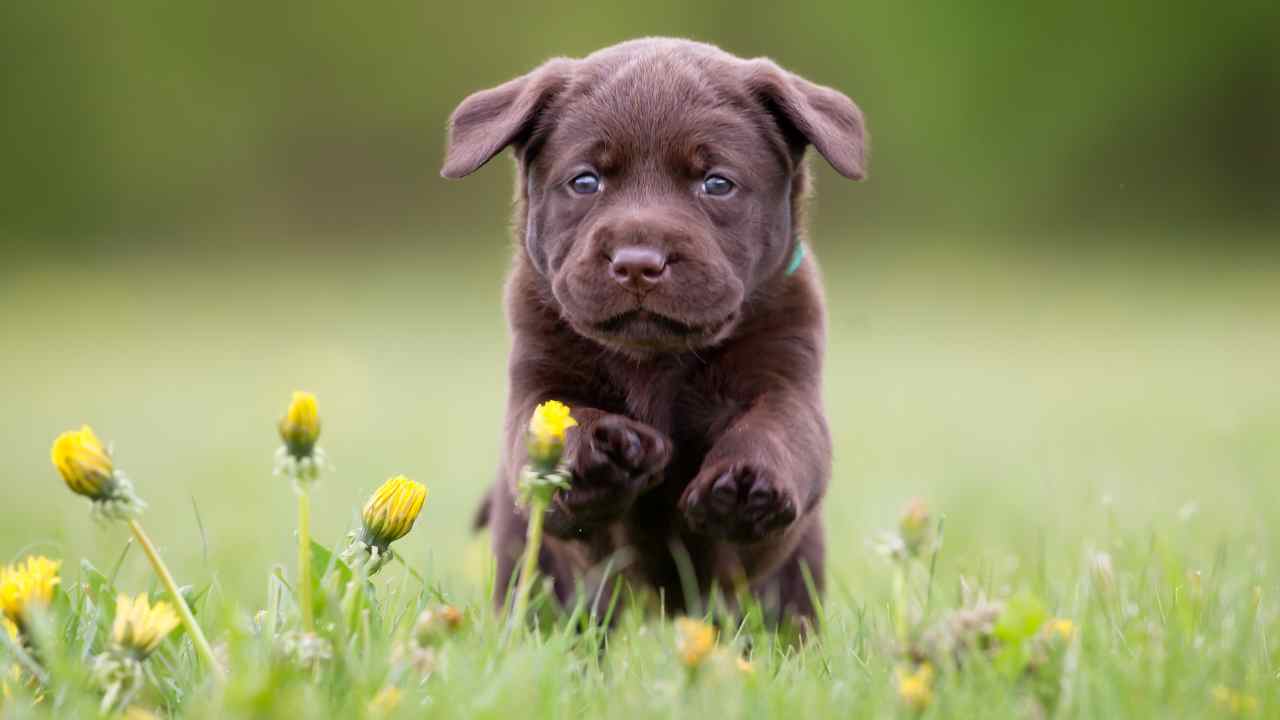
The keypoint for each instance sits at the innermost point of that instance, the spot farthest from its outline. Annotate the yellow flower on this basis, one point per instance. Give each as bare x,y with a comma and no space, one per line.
26,586
694,641
300,426
915,688
1234,701
140,626
915,527
390,513
386,701
546,433
745,666
84,463
1062,628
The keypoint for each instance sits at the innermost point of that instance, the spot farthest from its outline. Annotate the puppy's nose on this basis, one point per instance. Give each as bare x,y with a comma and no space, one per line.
638,269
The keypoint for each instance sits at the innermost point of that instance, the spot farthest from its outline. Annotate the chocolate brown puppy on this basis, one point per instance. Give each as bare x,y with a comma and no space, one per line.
661,288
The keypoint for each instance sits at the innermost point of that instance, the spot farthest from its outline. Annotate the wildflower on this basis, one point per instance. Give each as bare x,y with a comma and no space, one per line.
388,516
547,434
390,513
299,458
539,481
1234,701
300,426
915,687
27,587
140,626
386,701
1062,628
435,624
138,630
695,640
1103,570
745,666
915,527
308,650
86,467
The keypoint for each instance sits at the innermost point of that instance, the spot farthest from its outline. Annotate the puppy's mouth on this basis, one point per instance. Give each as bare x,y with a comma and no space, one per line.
647,330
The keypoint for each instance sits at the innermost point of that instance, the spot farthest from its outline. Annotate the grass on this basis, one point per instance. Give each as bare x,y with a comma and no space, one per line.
1052,406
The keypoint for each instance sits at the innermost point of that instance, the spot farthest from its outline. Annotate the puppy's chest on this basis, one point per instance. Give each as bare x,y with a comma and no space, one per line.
692,402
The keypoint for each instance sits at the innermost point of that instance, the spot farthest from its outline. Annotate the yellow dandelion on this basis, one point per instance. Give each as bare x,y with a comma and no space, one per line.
86,468
386,701
1234,701
300,426
1062,628
27,586
915,527
915,687
694,641
391,512
84,463
140,626
547,433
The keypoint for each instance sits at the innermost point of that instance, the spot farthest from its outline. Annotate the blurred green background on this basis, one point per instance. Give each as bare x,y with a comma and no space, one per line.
1054,305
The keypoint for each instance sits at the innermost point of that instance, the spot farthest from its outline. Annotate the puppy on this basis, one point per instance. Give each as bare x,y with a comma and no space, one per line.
661,288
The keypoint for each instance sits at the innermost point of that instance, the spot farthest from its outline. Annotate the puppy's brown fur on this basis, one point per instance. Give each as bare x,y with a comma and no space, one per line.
695,374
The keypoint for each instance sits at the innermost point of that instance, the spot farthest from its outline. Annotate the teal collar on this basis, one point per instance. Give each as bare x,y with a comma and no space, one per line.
797,257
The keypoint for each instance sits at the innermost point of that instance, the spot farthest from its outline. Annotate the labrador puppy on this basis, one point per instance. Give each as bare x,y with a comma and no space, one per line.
661,288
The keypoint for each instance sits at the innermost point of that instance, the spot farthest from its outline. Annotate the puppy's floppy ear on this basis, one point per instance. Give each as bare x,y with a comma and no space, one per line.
812,114
490,120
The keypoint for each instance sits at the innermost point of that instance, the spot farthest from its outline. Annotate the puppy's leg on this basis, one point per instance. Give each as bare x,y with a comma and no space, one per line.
766,471
785,595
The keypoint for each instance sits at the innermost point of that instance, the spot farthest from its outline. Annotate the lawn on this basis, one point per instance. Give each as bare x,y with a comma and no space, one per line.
1096,428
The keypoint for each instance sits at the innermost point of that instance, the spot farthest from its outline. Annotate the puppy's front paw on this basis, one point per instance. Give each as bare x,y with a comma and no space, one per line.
614,459
740,502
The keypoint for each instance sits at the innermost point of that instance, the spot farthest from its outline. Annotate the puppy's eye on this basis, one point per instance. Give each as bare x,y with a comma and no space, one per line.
586,183
717,185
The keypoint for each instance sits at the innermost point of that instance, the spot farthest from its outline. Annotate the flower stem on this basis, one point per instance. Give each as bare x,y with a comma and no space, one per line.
532,545
304,559
188,620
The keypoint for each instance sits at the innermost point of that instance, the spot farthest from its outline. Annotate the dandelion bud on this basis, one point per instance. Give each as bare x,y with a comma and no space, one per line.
915,687
547,434
84,463
1234,701
385,702
915,527
300,426
435,624
27,587
694,641
388,516
86,467
390,513
1060,628
140,627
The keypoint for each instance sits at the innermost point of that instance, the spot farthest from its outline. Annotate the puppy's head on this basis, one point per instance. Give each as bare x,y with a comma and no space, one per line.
658,180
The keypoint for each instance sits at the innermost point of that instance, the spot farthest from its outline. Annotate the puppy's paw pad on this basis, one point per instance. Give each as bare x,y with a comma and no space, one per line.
739,503
621,449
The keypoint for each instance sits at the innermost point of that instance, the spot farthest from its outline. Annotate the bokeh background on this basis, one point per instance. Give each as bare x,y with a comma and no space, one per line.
1055,305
